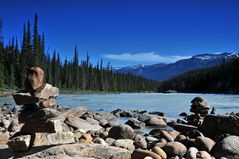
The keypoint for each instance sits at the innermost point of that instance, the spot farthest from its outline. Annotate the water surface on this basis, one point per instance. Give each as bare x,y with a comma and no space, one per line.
171,104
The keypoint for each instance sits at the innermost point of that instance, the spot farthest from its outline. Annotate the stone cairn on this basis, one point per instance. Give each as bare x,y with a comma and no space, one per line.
41,125
200,109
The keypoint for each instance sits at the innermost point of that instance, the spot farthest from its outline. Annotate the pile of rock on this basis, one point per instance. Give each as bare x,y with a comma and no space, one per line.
200,106
41,126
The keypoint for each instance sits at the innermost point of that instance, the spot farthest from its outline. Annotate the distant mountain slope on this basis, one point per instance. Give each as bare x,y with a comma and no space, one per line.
163,72
219,79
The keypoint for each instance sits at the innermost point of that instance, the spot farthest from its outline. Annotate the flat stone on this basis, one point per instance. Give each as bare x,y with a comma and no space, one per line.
49,126
25,97
46,139
19,143
75,151
79,123
35,115
47,92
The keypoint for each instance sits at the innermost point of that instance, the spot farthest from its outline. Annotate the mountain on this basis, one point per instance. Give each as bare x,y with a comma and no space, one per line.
161,71
218,79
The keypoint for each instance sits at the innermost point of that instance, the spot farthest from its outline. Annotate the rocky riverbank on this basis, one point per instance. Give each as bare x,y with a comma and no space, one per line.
80,133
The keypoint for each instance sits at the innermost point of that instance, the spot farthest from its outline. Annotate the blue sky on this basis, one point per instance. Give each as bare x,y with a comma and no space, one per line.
128,32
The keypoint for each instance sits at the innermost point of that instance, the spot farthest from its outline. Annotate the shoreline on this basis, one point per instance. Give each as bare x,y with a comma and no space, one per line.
141,134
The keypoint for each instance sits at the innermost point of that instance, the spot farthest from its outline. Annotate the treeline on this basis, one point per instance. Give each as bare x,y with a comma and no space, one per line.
67,75
220,79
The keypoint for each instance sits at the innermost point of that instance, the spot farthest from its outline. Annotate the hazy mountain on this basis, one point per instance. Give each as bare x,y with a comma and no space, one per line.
162,71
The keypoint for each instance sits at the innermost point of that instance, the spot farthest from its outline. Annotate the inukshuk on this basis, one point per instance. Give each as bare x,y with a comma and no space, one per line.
41,126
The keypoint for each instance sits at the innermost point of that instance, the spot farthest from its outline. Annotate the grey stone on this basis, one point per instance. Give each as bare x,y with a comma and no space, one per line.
135,124
228,147
19,143
124,143
75,151
121,132
78,123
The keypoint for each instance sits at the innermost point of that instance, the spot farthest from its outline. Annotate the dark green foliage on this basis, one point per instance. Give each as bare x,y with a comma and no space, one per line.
71,75
220,79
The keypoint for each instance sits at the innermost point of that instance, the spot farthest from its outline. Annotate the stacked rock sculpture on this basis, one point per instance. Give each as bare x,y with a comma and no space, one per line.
41,126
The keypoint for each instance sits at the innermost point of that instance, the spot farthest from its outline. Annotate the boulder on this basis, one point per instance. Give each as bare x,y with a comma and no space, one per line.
35,115
160,152
121,132
155,121
25,97
47,139
216,124
228,147
175,149
199,105
204,143
19,143
140,142
49,126
142,154
192,153
104,115
124,143
135,124
4,138
200,101
77,123
78,151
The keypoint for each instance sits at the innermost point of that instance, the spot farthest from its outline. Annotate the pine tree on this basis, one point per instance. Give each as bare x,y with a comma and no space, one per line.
76,69
2,79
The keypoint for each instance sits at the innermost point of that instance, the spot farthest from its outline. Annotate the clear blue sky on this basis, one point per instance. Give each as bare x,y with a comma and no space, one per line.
129,32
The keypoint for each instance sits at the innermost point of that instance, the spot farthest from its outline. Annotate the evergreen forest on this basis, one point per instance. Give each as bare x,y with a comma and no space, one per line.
74,75
220,79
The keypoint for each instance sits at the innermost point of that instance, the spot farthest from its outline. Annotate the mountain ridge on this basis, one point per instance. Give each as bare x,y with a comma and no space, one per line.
162,71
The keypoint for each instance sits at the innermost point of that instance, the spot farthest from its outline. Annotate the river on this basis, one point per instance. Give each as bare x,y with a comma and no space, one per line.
171,104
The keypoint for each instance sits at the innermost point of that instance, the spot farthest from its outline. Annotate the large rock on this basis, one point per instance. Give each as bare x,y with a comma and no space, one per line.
199,105
135,124
121,132
140,142
49,126
156,121
124,143
19,143
79,123
35,115
104,115
215,124
45,139
228,147
192,153
74,151
175,149
204,143
25,97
